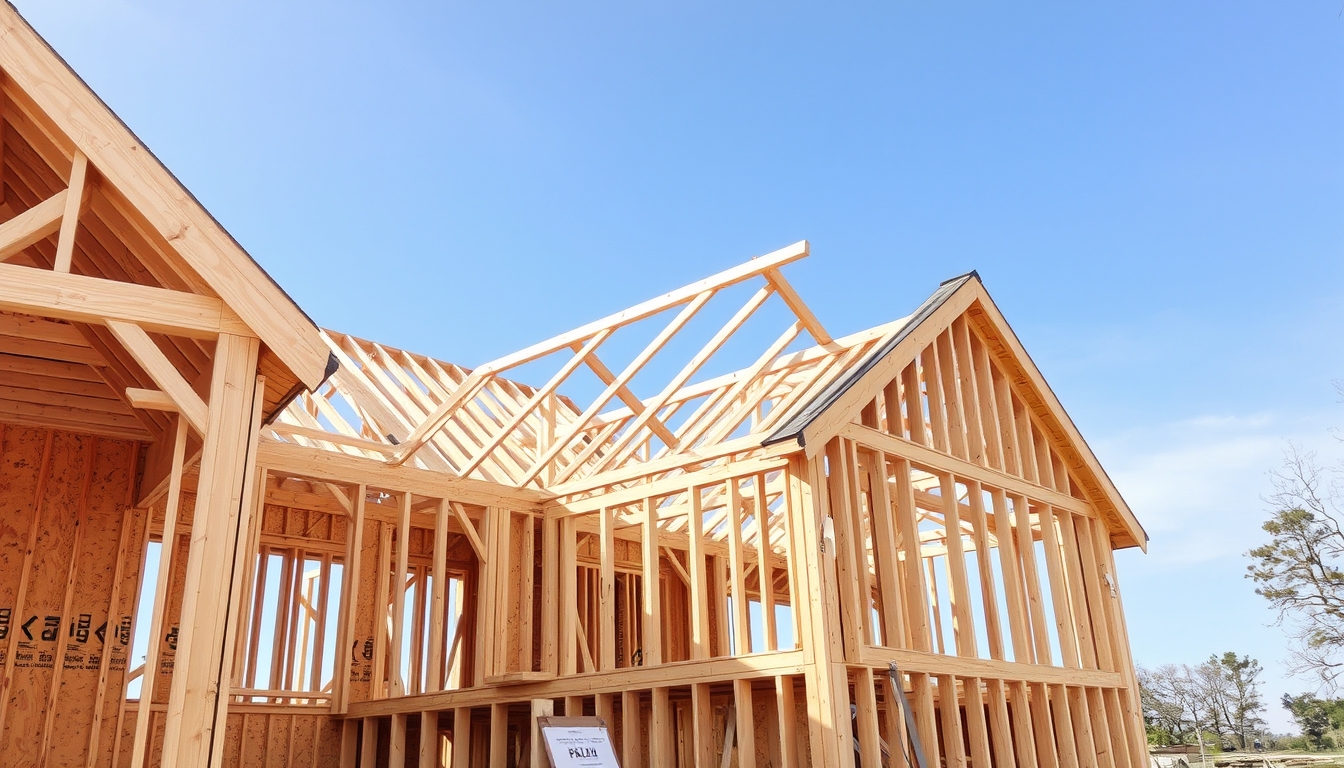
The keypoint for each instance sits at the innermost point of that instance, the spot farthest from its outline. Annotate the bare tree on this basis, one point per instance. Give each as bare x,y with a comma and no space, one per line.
1219,697
1166,707
1230,690
1298,571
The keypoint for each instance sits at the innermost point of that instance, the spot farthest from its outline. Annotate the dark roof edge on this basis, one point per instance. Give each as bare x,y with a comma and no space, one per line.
794,428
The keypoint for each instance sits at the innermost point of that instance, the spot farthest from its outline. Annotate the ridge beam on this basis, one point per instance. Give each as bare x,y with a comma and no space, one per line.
741,272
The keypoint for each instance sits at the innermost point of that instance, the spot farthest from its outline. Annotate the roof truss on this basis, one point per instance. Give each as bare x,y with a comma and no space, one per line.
407,408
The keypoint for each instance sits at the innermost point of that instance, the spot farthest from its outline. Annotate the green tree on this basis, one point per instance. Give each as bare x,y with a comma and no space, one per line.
1313,716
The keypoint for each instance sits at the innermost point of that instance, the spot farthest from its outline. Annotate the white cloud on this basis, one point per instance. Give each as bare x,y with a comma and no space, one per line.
1197,485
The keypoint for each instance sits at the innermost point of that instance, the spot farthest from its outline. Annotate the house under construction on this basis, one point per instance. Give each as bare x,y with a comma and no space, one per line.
231,538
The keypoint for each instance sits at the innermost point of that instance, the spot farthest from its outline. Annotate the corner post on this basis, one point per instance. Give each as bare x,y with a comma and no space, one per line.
201,673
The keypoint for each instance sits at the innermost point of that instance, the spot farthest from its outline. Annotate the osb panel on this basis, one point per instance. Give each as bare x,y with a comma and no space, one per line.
281,737
36,624
91,629
361,649
119,663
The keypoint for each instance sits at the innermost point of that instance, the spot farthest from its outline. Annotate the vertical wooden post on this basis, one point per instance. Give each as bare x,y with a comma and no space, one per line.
438,609
865,715
194,701
746,724
249,502
541,708
786,708
632,749
884,550
702,725
985,569
349,743
1026,548
827,684
921,688
381,613
462,737
1073,571
764,568
396,748
1069,742
1019,624
368,750
396,683
977,729
907,530
1059,589
568,653
1024,739
499,735
999,724
550,594
737,568
662,753
430,755
350,575
606,629
1043,726
954,748
168,544
653,612
695,524
963,629
851,582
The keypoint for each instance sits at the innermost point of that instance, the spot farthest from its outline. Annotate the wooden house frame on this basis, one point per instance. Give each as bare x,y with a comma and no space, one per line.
343,553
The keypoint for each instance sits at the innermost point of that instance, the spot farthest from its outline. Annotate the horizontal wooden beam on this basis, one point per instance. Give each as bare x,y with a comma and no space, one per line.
332,466
30,327
680,673
941,462
964,666
50,350
46,367
771,459
94,300
150,399
107,424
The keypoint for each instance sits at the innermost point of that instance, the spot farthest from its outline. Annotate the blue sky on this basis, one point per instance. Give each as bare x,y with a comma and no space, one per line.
1152,191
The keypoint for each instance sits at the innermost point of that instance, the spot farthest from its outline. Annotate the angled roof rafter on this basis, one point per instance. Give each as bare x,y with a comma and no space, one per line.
84,133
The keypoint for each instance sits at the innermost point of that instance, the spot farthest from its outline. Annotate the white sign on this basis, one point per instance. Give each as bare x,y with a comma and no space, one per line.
579,746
